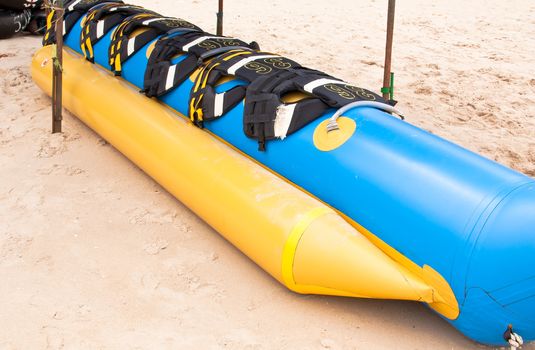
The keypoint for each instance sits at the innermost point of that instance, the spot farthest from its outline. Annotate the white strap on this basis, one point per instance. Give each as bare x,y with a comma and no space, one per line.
319,82
283,119
149,21
100,29
189,45
71,7
131,46
232,70
218,104
170,77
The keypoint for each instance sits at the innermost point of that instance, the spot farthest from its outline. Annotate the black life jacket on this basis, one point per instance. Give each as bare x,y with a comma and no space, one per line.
101,19
267,117
73,11
247,65
161,75
122,47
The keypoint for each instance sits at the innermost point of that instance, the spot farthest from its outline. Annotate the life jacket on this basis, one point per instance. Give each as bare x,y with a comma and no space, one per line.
122,47
247,65
267,116
101,19
73,11
162,75
270,78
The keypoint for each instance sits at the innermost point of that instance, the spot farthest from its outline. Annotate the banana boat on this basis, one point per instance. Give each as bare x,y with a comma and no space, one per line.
316,180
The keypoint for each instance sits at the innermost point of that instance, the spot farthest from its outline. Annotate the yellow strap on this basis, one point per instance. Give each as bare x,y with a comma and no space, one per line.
89,48
49,19
290,247
83,40
191,110
118,67
202,80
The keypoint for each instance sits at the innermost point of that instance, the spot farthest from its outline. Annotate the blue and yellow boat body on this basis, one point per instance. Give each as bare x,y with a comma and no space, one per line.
463,224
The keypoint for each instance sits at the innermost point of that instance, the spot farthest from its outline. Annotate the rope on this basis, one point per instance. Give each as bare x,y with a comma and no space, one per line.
515,341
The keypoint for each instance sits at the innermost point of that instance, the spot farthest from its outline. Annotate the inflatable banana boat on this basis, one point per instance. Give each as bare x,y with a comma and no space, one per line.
316,180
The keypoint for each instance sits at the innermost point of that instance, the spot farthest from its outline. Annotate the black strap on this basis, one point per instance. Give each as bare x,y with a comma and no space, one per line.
264,99
73,11
107,16
257,65
203,95
260,66
338,93
122,47
161,75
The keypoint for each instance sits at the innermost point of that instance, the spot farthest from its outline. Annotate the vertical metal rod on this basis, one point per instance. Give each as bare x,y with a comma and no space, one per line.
57,76
388,51
220,18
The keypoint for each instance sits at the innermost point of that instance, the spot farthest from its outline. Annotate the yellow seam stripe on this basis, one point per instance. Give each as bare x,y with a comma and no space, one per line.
290,247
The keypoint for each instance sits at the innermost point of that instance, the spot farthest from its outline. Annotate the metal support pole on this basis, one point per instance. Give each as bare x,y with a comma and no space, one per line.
57,76
220,18
387,89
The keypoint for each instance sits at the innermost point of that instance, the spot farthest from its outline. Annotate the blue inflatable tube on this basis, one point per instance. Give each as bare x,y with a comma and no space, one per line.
469,218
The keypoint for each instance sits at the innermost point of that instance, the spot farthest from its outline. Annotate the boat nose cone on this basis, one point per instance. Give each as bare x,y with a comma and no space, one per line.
502,266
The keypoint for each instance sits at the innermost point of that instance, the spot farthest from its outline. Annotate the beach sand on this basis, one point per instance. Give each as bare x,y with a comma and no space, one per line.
96,255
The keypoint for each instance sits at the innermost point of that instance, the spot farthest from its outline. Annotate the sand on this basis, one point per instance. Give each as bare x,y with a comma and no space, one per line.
96,255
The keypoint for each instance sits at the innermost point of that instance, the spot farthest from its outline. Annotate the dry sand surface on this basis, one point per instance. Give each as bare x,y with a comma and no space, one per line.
96,255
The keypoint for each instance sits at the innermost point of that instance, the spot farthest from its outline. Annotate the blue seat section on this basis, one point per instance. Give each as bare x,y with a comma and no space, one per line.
72,39
433,201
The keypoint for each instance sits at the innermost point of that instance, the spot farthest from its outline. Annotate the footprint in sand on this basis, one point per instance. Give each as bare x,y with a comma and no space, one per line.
52,145
31,199
53,337
142,216
57,169
17,80
150,281
421,88
14,247
327,343
155,246
46,262
531,154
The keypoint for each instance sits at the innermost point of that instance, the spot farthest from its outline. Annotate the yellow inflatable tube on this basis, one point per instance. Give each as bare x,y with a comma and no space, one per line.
299,240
